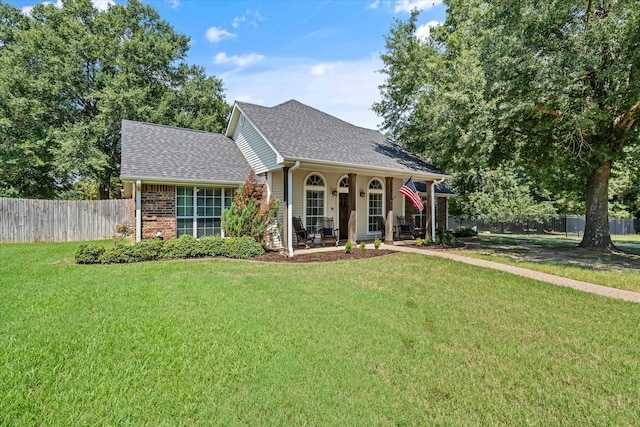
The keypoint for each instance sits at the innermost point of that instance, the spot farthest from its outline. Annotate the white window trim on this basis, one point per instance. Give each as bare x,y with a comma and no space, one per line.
314,187
373,191
194,193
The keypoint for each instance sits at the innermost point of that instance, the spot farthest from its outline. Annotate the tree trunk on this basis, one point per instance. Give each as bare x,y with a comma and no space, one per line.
105,187
596,231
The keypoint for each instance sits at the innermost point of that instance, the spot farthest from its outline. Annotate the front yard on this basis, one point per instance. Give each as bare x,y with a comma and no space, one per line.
617,269
400,339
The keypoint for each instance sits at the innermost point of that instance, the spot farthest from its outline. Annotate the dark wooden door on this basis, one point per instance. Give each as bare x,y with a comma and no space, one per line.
343,215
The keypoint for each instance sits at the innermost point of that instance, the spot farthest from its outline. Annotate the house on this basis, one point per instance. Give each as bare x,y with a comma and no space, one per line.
317,166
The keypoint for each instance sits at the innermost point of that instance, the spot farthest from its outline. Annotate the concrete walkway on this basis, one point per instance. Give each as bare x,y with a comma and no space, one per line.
531,274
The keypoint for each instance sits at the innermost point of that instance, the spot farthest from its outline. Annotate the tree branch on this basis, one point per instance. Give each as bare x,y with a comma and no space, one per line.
627,120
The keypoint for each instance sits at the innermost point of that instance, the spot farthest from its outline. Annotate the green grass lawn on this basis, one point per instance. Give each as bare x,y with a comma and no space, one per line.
561,258
398,340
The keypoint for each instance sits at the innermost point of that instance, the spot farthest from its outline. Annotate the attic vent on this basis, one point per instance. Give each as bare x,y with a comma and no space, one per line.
241,119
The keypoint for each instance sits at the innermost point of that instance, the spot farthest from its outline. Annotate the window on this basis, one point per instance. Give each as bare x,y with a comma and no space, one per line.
376,204
184,216
344,182
314,200
201,209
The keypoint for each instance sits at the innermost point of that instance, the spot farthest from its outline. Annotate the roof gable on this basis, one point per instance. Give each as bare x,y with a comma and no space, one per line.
300,132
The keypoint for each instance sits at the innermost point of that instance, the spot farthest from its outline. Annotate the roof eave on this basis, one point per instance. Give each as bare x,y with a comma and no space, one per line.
373,170
177,181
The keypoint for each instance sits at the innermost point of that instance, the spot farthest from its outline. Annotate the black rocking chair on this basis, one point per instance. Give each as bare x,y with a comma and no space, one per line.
301,233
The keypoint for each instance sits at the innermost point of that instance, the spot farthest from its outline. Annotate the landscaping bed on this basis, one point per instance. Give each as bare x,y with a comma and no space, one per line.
337,255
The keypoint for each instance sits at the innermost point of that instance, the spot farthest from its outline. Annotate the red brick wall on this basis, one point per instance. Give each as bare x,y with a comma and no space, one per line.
158,206
441,220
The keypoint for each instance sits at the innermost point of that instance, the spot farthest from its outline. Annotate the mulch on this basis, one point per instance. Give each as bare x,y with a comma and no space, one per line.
341,255
338,255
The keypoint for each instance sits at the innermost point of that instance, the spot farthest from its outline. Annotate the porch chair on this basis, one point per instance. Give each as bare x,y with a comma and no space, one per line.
301,233
405,228
327,232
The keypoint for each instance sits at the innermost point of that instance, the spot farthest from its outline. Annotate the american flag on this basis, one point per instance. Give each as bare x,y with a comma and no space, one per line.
409,190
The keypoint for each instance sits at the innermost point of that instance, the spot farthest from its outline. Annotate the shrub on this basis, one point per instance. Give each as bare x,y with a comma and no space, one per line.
347,247
250,212
444,236
210,245
376,243
465,232
183,247
124,229
241,247
362,246
419,242
89,253
146,250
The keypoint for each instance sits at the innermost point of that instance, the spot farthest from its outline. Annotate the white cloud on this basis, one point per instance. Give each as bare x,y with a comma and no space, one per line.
98,4
343,89
102,4
322,69
173,3
240,61
252,17
214,34
373,5
409,5
237,21
424,31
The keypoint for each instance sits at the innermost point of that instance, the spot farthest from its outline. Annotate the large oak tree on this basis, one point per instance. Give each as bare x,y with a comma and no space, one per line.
69,75
553,85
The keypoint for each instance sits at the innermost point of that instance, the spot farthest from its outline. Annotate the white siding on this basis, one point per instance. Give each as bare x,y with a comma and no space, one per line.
260,156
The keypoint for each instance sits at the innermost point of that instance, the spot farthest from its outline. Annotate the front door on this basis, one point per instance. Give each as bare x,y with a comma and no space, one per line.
343,215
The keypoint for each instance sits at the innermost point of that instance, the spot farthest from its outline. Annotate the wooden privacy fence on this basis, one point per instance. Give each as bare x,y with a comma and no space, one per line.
26,220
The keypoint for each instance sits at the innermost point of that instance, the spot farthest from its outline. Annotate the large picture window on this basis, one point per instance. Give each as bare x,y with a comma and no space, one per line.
199,210
314,200
376,204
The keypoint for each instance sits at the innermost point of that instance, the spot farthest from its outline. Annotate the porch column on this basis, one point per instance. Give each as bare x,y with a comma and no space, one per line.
353,193
285,211
388,211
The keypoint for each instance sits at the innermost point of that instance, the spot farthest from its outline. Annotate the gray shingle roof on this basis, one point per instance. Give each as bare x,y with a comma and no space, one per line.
162,152
301,132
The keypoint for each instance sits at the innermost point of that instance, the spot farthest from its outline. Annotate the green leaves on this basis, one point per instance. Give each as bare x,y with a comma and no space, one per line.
550,85
69,75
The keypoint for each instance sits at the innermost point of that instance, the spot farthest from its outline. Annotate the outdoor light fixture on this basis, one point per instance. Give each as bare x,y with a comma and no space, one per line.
361,193
334,192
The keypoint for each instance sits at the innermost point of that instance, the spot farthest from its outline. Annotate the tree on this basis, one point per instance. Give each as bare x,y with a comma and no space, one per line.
251,211
500,194
69,75
552,85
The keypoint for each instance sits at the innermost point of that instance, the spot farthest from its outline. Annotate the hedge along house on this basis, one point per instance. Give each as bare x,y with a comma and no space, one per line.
317,166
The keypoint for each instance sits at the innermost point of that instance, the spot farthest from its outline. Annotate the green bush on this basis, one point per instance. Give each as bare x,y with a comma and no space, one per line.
186,246
121,253
362,246
419,242
465,232
347,247
241,247
376,243
444,236
146,250
89,253
210,245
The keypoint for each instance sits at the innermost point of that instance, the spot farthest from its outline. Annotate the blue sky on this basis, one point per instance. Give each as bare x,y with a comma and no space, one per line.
322,53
